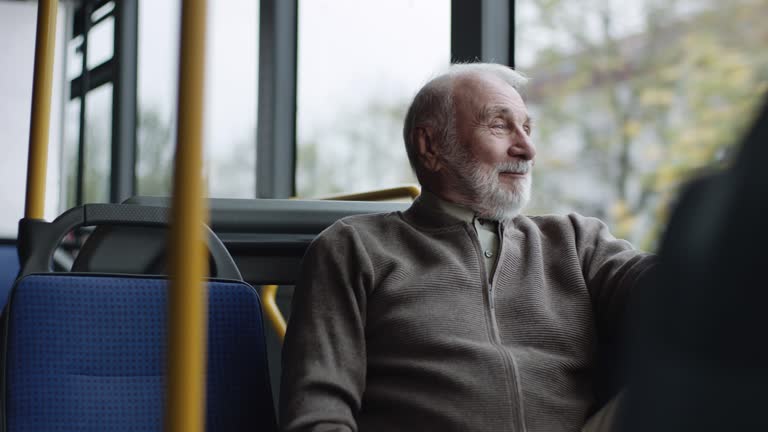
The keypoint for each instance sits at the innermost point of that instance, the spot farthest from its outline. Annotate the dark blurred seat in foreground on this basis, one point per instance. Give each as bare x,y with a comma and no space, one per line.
700,356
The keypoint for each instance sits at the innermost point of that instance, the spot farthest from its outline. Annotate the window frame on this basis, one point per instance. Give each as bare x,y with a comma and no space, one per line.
121,71
480,30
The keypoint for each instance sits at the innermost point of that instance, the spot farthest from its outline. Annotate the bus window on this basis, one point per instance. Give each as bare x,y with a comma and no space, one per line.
359,63
631,98
98,135
86,153
17,48
230,97
157,86
100,48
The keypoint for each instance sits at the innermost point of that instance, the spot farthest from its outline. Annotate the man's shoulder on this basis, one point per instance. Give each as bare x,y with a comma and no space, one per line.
569,222
547,220
362,225
369,221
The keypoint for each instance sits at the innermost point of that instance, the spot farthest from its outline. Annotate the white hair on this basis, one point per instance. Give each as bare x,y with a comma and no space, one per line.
433,106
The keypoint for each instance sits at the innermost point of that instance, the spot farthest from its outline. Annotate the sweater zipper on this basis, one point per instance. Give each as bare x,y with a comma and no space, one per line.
510,365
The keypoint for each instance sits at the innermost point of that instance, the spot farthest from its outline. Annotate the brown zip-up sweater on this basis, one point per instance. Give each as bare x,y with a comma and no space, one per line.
395,326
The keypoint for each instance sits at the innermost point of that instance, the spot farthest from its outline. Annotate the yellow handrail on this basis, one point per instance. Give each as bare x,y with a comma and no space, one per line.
188,263
399,192
269,292
268,297
42,84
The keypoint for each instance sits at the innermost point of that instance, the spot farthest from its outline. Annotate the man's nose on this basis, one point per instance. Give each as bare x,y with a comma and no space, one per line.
521,146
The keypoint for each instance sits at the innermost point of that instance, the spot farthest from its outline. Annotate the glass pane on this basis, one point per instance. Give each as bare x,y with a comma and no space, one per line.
17,48
74,57
157,88
69,153
98,144
359,64
230,92
231,98
154,165
101,42
631,98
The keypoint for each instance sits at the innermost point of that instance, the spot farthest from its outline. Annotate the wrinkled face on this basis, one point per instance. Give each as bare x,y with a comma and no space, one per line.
492,153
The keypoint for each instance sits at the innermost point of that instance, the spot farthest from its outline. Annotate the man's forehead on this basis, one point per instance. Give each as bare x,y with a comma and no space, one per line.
485,91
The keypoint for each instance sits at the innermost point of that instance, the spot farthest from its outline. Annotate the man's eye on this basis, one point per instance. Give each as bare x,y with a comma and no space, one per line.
498,126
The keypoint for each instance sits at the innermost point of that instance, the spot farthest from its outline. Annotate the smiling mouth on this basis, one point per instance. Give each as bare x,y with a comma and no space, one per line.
512,174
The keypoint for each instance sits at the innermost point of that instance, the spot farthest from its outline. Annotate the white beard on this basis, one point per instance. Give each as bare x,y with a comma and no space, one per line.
484,191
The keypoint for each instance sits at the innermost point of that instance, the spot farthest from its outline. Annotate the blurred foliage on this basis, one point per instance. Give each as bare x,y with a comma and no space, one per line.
621,119
154,158
154,164
364,151
96,165
632,116
230,167
230,170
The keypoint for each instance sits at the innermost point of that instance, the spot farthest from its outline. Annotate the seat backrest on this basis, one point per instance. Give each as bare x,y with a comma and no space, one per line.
266,237
698,362
87,352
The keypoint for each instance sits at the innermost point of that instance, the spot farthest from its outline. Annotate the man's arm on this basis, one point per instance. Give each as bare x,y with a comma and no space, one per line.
612,269
324,357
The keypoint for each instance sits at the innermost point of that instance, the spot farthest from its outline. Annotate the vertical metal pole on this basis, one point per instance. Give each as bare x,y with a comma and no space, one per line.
122,183
37,163
512,28
85,84
495,29
482,30
63,190
276,146
188,264
466,31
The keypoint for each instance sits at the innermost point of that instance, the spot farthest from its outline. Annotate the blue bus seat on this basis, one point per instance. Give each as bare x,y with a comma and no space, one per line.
9,269
267,239
87,351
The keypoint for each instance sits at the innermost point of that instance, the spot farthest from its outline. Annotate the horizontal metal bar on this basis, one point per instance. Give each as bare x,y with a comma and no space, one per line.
230,215
78,23
97,77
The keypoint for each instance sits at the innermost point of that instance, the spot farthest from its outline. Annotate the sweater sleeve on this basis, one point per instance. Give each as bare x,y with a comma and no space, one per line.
324,353
612,268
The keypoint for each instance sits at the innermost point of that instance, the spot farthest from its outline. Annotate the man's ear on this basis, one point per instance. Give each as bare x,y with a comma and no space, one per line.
426,148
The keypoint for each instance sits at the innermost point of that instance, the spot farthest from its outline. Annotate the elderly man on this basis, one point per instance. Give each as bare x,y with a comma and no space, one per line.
458,314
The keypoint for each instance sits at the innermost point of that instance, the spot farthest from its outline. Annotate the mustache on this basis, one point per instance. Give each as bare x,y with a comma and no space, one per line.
516,167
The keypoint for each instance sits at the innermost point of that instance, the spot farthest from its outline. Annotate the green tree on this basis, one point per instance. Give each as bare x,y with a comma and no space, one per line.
643,111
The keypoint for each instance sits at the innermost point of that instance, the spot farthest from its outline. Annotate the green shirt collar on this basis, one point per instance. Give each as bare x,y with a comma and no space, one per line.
457,211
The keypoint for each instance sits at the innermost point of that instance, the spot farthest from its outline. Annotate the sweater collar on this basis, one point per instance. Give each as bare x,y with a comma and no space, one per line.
457,211
432,212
